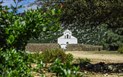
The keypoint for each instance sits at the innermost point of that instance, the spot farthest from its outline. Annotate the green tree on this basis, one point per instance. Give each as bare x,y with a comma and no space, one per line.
16,6
17,30
94,12
92,22
88,12
49,36
84,18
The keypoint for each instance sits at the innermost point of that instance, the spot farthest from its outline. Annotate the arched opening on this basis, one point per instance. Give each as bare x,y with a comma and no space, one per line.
67,36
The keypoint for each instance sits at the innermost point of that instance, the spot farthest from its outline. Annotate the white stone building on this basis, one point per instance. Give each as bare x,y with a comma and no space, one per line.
67,38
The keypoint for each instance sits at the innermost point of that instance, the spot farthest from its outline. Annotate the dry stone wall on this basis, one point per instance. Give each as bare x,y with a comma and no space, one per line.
82,47
37,47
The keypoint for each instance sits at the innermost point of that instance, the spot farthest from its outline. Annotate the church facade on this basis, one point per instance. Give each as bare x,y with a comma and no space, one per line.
66,39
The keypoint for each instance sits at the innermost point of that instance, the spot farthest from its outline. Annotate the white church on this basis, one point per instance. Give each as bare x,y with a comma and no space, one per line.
66,39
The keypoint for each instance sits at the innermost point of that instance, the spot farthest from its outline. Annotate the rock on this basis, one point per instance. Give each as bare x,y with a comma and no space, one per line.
110,67
106,74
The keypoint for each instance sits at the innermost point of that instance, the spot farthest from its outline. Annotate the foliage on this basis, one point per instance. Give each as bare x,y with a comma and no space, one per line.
95,22
49,36
14,64
69,58
92,22
112,40
93,12
60,63
83,61
44,38
120,49
88,13
61,68
39,67
35,57
16,6
64,69
28,26
52,55
16,30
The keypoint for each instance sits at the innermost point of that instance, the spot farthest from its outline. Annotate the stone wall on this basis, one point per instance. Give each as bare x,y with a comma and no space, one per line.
36,47
41,46
82,47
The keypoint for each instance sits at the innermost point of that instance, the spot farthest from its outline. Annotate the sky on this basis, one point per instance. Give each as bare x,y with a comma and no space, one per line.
25,3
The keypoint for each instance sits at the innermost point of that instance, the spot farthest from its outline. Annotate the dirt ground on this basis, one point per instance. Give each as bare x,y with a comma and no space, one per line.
98,56
103,75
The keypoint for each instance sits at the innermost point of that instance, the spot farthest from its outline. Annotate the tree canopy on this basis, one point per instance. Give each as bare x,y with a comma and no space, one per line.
16,30
96,22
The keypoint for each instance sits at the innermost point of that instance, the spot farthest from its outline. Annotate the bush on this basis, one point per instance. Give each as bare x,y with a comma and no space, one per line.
14,64
35,57
69,58
120,50
52,55
83,61
64,69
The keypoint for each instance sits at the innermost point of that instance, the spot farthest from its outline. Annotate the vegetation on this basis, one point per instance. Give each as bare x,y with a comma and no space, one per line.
34,58
83,61
54,61
49,56
92,22
120,50
81,15
15,32
95,22
28,26
18,63
14,63
64,69
52,55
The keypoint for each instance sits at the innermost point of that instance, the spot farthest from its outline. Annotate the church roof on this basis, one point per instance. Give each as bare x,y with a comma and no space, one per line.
67,31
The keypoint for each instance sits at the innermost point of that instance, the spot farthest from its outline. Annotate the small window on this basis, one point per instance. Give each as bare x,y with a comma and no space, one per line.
67,37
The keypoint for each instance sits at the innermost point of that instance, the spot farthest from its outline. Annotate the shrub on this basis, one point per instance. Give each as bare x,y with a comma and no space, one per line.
120,50
14,64
84,61
69,58
39,67
52,55
64,69
35,57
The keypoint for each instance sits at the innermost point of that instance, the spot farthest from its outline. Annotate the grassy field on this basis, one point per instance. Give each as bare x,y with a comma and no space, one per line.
99,56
